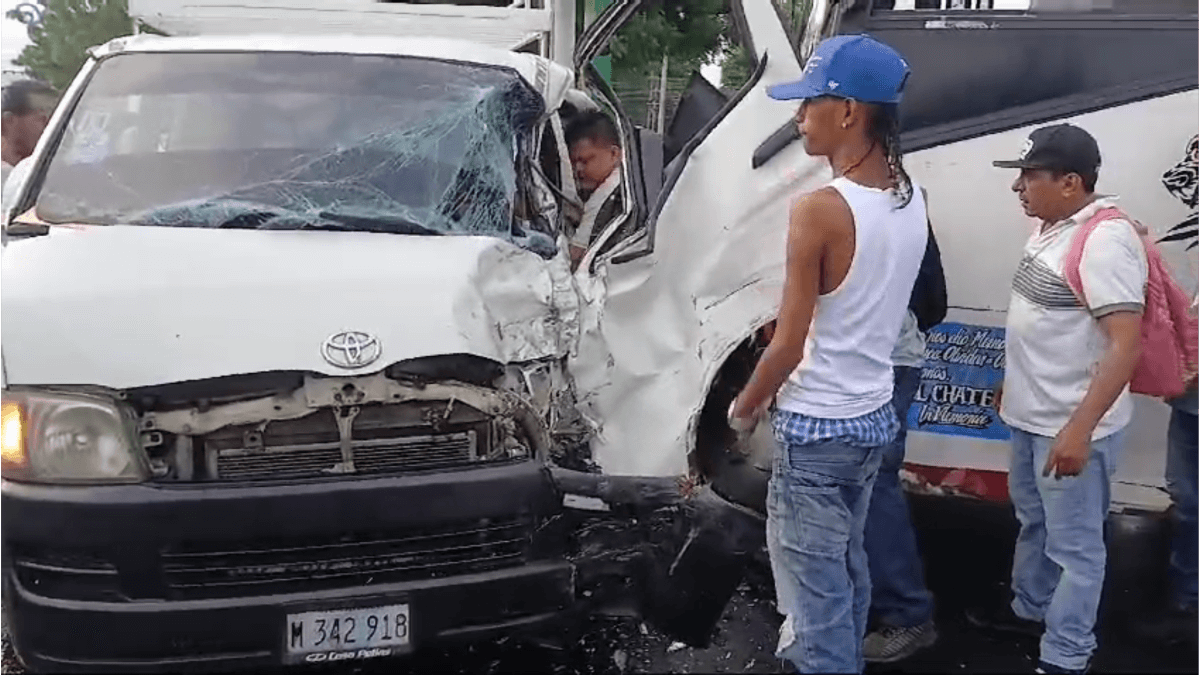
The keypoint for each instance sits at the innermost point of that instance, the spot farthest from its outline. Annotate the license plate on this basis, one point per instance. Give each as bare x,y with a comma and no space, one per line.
347,634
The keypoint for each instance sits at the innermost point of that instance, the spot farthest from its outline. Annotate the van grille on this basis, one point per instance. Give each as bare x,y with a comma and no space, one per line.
406,453
382,439
256,567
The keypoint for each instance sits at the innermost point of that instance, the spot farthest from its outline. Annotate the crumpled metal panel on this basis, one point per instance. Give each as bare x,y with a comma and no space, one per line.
667,322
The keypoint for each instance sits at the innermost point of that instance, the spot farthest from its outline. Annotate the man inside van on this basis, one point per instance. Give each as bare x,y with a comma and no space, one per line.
595,151
1066,394
27,107
854,248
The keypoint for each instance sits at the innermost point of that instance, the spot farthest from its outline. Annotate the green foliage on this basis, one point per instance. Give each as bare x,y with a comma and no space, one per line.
691,34
68,29
690,31
736,62
736,66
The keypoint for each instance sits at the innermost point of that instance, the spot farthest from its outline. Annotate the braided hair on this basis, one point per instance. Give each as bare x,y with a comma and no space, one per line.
884,130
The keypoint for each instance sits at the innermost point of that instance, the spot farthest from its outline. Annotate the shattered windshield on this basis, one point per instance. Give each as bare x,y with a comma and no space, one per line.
291,141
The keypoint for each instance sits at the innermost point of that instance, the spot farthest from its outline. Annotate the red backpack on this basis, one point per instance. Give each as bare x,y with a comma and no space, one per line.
1169,327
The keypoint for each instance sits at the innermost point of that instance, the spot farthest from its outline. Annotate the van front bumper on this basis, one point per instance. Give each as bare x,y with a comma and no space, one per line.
168,578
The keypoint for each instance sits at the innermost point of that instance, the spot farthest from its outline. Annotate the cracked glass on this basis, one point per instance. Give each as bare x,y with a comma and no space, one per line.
274,141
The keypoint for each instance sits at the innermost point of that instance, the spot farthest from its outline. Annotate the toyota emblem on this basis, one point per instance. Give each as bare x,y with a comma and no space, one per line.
351,349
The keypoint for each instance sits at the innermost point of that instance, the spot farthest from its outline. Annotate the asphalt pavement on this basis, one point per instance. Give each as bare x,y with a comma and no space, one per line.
967,549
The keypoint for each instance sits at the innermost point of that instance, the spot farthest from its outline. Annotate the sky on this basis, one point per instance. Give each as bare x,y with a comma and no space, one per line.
13,38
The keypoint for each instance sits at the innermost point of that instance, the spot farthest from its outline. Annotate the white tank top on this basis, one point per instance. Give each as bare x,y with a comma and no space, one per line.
847,366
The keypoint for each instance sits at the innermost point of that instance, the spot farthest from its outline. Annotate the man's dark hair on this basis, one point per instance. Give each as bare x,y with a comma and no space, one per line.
19,96
884,129
594,126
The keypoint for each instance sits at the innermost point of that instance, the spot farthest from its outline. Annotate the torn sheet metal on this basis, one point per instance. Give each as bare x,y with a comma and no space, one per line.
657,329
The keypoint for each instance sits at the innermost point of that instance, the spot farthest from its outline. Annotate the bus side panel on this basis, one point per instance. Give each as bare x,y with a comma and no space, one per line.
981,231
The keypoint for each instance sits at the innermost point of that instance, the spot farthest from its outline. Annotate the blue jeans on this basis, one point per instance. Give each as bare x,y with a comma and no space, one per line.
898,593
1058,568
1181,483
816,513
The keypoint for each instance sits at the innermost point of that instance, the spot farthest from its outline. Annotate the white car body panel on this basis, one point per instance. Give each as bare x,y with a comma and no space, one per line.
150,305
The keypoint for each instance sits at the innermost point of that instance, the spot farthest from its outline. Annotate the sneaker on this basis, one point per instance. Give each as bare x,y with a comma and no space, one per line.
1004,620
1051,669
1175,626
893,643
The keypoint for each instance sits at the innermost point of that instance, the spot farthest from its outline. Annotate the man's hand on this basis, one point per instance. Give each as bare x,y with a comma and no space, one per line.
743,426
1070,452
998,398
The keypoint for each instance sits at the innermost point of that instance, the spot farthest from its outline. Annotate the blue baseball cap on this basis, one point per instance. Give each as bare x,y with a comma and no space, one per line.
857,67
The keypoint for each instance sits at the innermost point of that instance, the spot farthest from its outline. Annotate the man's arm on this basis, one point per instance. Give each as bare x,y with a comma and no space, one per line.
1071,448
812,220
1113,273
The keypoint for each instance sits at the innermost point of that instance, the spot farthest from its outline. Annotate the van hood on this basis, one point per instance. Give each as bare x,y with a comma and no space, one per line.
126,306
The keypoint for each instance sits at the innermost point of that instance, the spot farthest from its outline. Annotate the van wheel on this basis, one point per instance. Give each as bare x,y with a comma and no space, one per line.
740,478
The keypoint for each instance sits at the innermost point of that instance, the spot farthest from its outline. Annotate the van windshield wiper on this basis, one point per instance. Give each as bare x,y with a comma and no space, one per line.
377,223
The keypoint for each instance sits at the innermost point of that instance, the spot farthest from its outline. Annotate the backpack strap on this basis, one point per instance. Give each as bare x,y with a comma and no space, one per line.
1075,253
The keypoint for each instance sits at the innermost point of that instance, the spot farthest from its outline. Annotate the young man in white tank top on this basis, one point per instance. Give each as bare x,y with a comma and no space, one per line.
854,249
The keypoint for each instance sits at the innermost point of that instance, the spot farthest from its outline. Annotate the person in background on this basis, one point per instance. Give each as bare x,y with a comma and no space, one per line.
1177,622
27,107
900,602
1066,395
595,151
854,248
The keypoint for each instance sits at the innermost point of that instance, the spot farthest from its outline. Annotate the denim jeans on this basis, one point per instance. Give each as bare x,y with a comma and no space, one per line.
1181,484
816,513
898,593
1058,568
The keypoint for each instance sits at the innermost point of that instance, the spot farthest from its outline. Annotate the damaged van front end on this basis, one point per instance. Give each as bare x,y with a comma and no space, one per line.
396,510
301,395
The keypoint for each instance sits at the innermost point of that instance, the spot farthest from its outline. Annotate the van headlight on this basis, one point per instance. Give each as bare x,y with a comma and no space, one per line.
66,438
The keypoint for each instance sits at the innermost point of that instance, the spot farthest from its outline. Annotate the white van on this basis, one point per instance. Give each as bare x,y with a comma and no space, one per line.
296,369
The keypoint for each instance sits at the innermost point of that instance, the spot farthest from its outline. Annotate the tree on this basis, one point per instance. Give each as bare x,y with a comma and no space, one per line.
68,28
736,63
689,31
